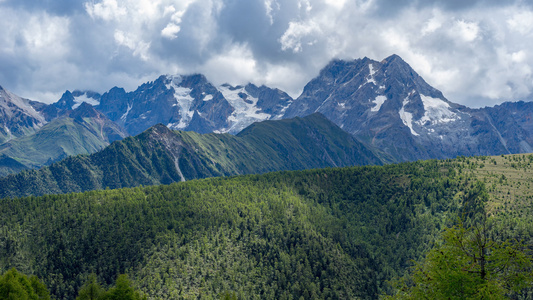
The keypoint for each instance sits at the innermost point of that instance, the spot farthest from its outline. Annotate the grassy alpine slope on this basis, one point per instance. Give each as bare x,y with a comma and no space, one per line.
161,156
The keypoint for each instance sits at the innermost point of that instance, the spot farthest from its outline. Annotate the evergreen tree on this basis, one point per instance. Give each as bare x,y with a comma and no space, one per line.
122,290
91,290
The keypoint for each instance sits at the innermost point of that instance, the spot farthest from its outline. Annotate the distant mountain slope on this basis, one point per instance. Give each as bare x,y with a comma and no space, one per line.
79,131
18,116
161,156
312,141
512,123
70,101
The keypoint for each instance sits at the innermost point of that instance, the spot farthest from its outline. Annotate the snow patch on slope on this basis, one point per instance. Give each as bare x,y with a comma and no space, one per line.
407,117
378,101
125,115
183,101
436,111
282,112
371,76
245,112
9,134
208,97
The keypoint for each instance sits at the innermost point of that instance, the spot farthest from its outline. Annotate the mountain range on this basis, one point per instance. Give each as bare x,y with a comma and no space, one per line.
162,156
384,104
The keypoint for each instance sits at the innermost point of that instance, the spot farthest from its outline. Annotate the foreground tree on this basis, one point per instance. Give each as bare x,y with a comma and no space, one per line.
469,264
91,290
15,285
122,290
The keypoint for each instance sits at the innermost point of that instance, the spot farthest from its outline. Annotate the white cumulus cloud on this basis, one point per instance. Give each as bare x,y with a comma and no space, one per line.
107,10
476,52
292,38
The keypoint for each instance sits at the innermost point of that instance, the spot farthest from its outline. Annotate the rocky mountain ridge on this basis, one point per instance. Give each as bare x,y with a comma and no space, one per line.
188,103
384,104
388,105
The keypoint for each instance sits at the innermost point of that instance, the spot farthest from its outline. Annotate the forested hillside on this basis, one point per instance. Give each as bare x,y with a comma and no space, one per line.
339,233
162,156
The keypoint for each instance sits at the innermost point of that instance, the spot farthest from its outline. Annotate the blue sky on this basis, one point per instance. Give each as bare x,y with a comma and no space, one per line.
478,53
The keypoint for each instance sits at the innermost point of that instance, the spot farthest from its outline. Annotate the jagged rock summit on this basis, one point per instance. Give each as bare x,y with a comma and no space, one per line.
192,103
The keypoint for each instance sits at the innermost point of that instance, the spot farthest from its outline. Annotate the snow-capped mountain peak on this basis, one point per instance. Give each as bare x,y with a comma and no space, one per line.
385,103
245,108
88,97
72,100
184,102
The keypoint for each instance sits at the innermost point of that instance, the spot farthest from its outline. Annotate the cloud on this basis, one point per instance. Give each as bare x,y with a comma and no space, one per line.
107,10
292,38
521,22
236,64
477,52
468,31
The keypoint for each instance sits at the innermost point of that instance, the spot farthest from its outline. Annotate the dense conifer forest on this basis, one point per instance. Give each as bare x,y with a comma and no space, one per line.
337,233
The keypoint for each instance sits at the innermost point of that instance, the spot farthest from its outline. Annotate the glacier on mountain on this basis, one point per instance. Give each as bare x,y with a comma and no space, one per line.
183,101
84,98
246,110
436,111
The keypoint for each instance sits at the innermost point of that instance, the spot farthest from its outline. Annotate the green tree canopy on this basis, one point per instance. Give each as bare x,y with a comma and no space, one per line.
122,290
91,290
15,285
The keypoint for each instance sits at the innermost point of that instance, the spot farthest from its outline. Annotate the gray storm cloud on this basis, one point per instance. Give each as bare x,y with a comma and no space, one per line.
476,52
